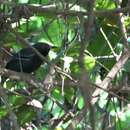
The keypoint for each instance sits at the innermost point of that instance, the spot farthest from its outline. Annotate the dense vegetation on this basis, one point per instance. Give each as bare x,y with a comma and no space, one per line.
84,83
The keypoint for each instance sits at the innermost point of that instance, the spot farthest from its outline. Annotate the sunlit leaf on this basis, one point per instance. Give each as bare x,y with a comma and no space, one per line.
81,103
89,62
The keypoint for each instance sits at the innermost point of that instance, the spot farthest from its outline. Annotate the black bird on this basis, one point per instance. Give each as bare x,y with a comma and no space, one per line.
26,60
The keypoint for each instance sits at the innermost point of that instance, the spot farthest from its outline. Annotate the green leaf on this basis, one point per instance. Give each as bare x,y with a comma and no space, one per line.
105,4
89,62
80,102
57,94
25,114
17,100
3,111
23,1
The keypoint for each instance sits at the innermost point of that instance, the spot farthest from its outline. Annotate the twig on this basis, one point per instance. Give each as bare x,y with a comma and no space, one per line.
22,40
122,27
108,42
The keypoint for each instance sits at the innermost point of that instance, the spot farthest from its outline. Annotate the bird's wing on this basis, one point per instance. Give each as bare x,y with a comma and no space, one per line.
24,54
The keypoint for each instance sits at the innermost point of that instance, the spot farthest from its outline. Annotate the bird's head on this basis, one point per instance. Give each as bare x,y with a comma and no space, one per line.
43,48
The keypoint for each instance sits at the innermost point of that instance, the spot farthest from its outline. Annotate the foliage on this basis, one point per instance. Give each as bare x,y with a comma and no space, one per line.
65,30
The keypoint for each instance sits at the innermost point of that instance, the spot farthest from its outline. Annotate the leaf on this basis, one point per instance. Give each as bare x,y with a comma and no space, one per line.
17,100
57,94
3,111
25,114
80,102
89,62
105,4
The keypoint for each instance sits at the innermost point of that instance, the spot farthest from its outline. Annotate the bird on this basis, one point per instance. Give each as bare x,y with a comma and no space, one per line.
26,60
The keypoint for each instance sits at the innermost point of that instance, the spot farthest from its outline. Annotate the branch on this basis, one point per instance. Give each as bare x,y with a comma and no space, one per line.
111,75
41,86
26,43
21,76
84,84
120,63
122,27
43,10
52,10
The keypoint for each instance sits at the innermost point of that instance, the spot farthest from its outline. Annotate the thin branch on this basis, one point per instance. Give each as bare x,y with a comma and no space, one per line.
108,42
122,27
26,43
111,92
